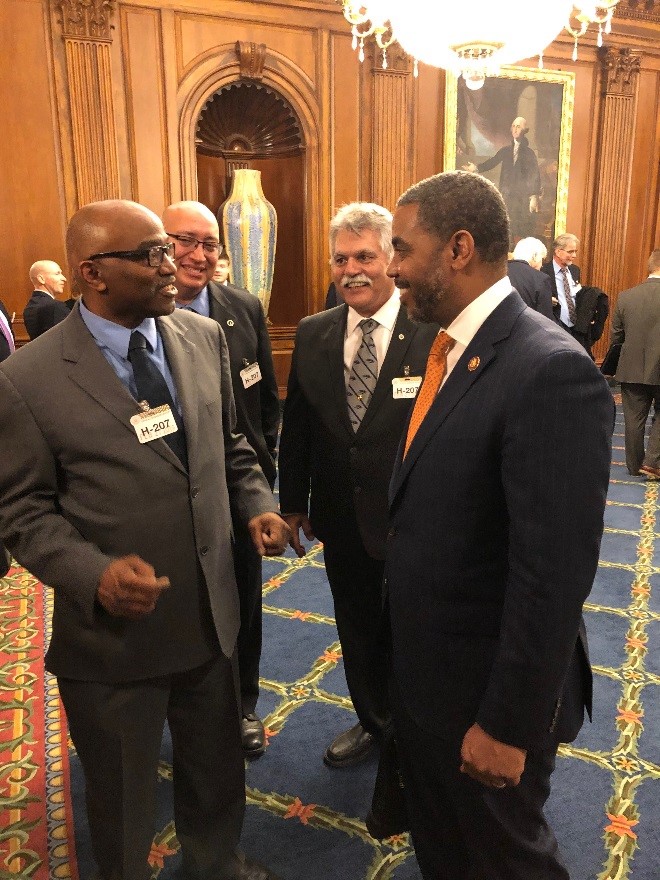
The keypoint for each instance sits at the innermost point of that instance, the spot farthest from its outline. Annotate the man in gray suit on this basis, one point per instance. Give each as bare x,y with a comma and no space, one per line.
636,324
116,479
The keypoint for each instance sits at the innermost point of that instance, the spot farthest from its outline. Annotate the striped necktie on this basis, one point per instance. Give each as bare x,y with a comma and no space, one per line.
364,374
436,368
570,302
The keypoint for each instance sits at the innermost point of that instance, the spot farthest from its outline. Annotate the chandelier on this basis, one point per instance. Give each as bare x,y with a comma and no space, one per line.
474,41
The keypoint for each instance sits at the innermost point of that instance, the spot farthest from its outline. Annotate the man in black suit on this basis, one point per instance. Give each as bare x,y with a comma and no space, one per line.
581,311
489,658
349,392
43,309
194,232
534,287
520,181
636,324
117,482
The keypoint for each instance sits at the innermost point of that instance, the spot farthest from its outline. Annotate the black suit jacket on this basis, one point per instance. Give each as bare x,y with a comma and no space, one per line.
241,316
533,286
5,351
346,472
549,270
591,306
42,312
496,521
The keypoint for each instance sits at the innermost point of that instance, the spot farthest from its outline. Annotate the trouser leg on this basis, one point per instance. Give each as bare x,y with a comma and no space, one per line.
247,566
652,457
636,401
117,731
356,583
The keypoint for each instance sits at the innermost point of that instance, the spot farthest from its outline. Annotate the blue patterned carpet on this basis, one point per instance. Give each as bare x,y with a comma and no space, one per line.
306,820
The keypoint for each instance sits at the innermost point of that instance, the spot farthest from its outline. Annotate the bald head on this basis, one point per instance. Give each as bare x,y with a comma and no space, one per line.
195,233
128,288
46,275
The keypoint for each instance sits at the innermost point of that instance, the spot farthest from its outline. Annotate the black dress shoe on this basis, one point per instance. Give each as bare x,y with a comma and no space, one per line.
253,736
254,871
350,748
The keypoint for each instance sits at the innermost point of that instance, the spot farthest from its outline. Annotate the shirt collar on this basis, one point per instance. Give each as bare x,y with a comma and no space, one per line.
115,337
559,269
465,326
199,304
386,314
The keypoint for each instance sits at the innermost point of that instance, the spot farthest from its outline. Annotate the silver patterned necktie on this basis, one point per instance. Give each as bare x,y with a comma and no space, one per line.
364,374
570,302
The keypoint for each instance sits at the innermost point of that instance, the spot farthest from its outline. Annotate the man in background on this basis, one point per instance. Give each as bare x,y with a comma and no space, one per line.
354,372
636,324
490,668
44,309
520,181
581,311
116,479
7,347
194,232
523,270
221,271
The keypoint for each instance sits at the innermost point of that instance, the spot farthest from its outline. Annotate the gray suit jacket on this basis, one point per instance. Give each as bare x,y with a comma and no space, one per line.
636,324
78,490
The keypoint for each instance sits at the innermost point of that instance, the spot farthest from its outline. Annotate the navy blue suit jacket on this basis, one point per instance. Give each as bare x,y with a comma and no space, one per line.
496,521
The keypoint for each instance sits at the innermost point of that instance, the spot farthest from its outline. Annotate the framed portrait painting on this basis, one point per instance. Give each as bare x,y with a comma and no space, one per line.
516,130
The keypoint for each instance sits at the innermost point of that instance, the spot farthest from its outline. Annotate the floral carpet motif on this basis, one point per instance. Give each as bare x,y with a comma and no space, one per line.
306,820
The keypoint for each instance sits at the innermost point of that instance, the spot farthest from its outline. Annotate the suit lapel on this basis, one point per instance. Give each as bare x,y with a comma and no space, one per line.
468,370
181,356
332,345
403,334
220,305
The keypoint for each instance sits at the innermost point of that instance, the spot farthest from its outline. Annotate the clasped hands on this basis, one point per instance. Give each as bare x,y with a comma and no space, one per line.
128,587
489,761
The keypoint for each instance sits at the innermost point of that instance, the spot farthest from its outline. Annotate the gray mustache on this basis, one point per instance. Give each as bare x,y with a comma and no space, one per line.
361,279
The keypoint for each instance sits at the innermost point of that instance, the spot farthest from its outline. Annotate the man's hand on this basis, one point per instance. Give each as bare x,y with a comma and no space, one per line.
129,588
295,522
269,533
533,204
490,761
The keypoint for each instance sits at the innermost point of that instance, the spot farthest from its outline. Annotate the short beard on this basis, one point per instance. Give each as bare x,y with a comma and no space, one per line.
424,306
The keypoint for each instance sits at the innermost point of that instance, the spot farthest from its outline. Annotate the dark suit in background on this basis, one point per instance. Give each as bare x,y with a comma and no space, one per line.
5,351
534,287
636,324
519,181
241,316
346,473
43,312
485,612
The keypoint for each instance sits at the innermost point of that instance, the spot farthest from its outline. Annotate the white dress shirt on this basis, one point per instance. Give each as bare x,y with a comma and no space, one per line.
561,294
386,317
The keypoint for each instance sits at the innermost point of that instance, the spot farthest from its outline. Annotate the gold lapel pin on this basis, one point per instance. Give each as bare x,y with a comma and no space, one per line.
230,323
473,363
401,336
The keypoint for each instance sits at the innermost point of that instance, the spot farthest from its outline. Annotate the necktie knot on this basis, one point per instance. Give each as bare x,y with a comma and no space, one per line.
442,345
367,325
436,369
137,342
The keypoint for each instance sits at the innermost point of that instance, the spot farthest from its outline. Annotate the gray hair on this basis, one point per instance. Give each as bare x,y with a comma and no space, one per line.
360,216
562,240
458,200
532,250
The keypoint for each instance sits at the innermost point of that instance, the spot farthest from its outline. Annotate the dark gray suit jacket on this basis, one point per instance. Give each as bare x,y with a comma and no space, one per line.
241,317
534,286
78,490
43,312
636,323
346,472
496,521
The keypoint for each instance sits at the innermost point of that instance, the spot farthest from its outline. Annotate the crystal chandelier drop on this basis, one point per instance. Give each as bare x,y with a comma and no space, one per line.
474,42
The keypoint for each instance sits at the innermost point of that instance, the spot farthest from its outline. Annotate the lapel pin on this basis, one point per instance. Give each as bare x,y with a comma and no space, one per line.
401,336
473,363
230,323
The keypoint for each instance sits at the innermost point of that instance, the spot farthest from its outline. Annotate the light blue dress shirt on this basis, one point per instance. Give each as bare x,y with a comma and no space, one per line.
113,341
200,304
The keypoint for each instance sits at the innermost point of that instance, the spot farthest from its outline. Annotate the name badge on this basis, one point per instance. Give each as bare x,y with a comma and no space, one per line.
251,375
406,387
154,423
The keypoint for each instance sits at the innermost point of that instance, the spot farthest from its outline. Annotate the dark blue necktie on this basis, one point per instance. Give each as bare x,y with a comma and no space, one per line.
152,387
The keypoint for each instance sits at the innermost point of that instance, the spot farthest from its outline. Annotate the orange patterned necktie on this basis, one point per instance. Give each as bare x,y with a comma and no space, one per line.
436,367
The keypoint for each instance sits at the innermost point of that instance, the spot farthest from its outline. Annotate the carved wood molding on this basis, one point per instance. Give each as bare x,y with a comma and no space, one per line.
251,57
87,19
646,10
398,61
620,70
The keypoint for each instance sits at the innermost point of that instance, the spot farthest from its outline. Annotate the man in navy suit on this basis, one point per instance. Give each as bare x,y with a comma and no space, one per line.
43,310
194,230
496,516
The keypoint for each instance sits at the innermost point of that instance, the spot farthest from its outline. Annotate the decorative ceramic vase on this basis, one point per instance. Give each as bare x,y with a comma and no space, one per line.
249,222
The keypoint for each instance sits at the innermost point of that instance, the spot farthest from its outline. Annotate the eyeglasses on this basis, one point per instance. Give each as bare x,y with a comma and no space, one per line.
188,243
153,255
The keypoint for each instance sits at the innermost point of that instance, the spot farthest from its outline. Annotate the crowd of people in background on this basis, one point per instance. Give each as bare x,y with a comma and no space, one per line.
441,359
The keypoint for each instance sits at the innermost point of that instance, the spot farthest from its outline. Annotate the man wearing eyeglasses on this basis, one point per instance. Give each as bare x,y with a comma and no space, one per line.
193,229
118,478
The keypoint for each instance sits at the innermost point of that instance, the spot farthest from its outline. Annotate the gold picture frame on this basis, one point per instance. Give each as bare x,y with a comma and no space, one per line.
478,127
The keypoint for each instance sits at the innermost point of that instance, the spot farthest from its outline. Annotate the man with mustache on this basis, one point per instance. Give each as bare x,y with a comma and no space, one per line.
355,370
118,479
